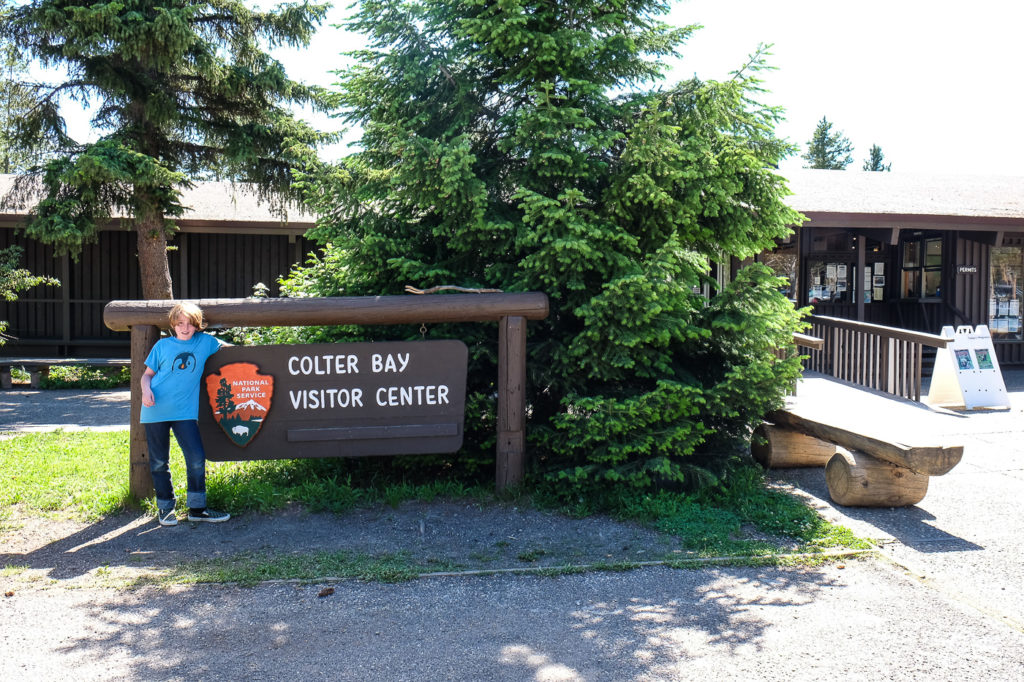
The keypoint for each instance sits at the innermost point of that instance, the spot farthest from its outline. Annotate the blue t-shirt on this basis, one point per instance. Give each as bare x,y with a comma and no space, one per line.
179,367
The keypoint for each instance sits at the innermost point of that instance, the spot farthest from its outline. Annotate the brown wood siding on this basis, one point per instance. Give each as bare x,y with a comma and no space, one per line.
38,310
229,266
970,290
68,320
1010,352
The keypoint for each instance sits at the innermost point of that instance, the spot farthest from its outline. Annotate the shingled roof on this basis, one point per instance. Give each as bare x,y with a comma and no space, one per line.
213,206
854,199
828,198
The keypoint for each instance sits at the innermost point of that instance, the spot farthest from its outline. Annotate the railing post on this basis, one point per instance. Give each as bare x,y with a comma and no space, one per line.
511,455
918,356
140,483
885,365
874,355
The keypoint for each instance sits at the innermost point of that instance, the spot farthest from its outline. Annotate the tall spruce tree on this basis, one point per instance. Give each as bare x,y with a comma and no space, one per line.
876,160
827,149
496,153
18,152
16,155
184,91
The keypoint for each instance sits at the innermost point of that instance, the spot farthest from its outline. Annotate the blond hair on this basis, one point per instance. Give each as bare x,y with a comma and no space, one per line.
189,311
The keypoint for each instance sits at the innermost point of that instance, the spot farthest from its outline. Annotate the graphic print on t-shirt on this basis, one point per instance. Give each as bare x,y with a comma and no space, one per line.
185,360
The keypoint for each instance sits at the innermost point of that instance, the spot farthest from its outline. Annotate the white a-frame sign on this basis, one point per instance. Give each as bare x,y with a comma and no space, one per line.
967,374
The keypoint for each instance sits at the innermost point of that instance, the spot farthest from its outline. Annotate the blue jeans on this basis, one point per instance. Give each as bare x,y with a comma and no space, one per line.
158,437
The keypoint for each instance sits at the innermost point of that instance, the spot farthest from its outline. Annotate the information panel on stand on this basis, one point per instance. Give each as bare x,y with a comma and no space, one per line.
967,374
333,400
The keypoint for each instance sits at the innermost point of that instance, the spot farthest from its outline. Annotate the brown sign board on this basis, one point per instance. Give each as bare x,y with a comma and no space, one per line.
333,400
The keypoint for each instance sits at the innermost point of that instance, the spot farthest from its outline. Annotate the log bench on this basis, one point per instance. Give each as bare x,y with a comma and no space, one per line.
877,451
38,368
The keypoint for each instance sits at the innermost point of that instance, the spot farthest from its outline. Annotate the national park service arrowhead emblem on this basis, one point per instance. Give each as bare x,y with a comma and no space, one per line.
240,398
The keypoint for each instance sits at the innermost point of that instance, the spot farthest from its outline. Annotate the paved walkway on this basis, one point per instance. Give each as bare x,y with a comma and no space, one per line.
966,537
23,410
944,603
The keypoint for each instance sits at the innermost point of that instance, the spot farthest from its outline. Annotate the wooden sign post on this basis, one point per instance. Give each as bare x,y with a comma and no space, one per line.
510,310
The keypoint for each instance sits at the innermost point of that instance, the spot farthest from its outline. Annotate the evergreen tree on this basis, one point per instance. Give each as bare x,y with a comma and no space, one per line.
876,160
495,154
184,91
225,398
17,97
17,153
827,149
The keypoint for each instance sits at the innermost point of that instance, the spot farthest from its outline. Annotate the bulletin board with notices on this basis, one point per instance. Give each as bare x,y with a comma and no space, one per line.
1004,314
1004,302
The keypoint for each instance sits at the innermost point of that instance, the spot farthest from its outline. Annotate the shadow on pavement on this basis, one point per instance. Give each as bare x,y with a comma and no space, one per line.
908,525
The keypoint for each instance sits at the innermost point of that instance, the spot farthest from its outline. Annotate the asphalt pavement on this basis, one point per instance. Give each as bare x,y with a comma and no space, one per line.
942,599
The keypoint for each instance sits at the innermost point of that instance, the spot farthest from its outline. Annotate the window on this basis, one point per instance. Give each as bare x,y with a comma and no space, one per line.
921,274
1004,309
829,282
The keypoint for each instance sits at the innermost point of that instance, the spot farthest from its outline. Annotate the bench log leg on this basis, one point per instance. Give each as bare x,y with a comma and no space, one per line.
856,479
36,375
6,383
778,448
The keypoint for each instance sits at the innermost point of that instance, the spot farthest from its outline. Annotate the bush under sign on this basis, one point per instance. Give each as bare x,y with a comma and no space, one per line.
334,400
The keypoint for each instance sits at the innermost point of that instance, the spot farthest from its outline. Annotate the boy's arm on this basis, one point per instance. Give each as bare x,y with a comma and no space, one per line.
147,392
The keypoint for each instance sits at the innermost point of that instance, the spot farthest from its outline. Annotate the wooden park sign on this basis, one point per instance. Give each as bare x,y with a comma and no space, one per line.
509,310
333,400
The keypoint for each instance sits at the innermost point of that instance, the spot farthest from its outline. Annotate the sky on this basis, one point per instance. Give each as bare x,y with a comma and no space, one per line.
935,83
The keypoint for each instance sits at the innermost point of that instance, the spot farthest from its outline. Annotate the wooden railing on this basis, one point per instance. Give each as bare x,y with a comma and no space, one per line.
883,358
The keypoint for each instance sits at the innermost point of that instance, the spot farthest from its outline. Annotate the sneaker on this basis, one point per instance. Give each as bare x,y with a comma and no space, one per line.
167,518
208,515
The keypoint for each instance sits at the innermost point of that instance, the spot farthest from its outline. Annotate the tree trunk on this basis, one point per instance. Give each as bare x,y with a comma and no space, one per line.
153,268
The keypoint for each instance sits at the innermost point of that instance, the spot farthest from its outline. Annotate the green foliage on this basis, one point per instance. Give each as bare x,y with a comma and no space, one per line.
876,160
184,90
80,376
15,279
18,151
826,149
496,154
743,517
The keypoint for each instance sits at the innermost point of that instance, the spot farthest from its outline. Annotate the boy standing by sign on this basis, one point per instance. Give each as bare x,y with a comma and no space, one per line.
170,401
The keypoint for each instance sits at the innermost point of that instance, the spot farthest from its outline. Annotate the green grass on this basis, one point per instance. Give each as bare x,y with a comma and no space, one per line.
84,476
254,568
79,475
721,521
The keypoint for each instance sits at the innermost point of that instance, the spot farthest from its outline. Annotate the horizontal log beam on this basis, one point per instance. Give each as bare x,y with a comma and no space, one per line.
933,460
366,310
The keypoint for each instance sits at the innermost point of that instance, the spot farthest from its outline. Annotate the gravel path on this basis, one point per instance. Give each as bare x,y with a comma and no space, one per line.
943,601
856,621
